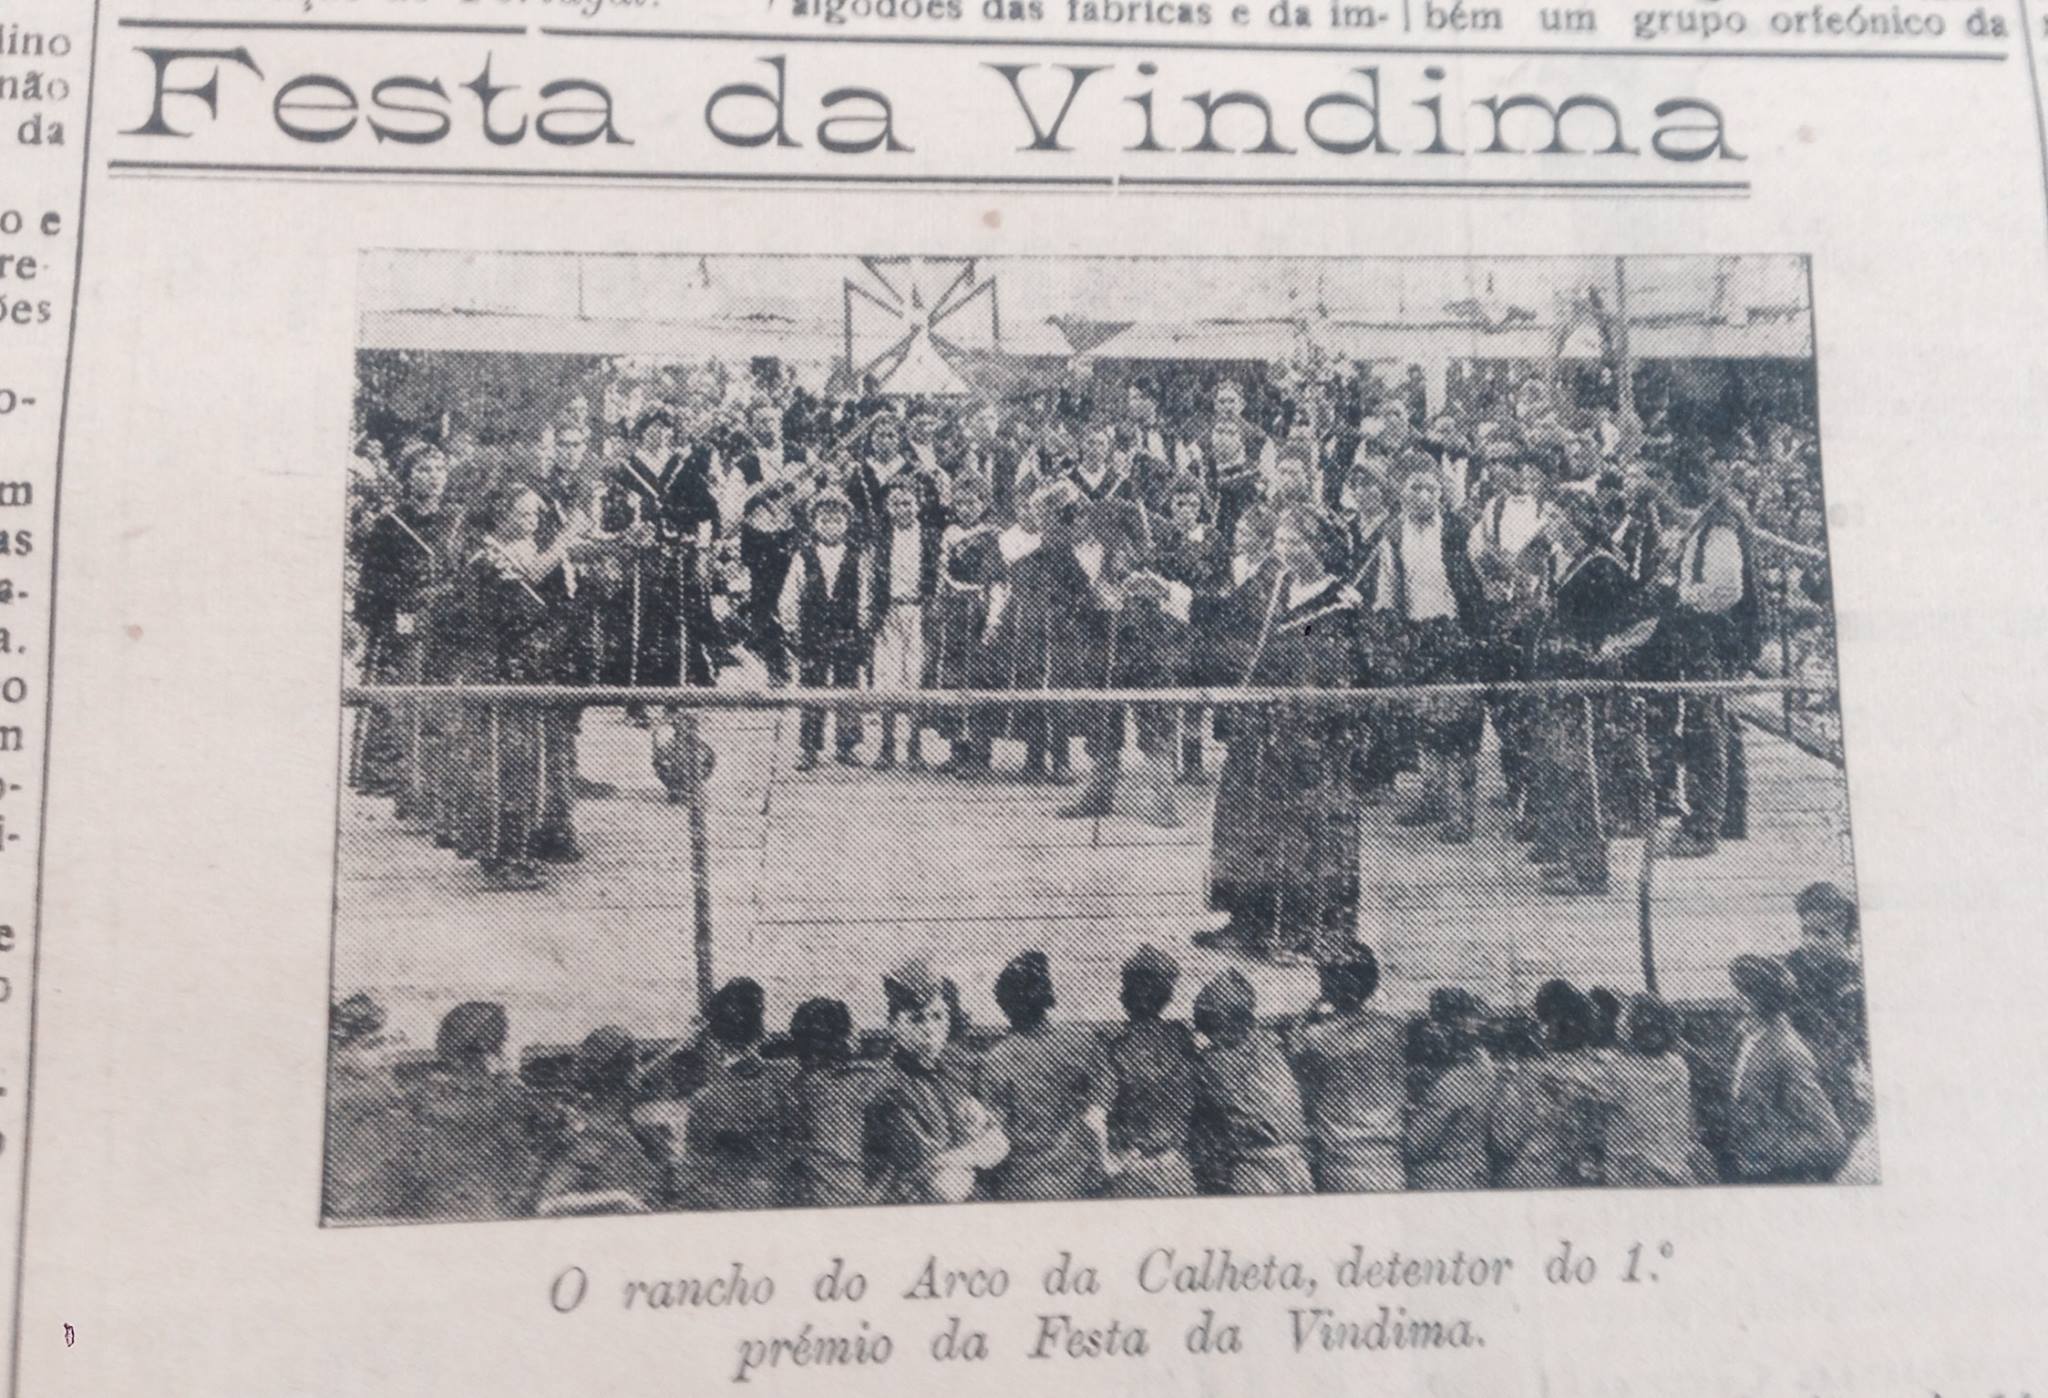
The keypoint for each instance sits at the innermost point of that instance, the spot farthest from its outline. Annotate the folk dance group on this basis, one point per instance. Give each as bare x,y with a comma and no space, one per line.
1121,552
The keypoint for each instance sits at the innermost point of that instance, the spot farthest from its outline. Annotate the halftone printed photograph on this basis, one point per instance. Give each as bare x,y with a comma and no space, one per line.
839,731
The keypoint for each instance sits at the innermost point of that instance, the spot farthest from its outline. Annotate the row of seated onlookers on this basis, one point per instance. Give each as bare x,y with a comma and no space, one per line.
1582,1088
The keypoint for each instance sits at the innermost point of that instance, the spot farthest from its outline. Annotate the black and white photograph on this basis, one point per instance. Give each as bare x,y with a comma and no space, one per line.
841,731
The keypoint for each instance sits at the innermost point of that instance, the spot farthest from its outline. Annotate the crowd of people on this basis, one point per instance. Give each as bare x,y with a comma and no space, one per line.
1582,1088
1251,536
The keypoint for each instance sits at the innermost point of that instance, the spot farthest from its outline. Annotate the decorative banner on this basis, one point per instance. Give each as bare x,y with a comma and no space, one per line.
917,325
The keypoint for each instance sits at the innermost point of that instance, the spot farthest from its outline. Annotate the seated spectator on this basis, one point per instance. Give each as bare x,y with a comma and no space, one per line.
1446,1135
1248,1133
363,1110
825,1110
1046,1084
465,1149
1519,1092
927,1134
602,1167
1566,1146
1351,1068
1827,968
1653,1138
1152,1069
1782,1128
732,1144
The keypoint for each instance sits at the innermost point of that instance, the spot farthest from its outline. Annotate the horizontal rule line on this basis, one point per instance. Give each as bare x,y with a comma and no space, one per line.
1098,182
338,26
1219,46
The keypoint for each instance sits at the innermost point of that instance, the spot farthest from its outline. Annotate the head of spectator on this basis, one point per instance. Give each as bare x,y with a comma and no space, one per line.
902,500
1350,981
1098,438
831,514
1433,1048
1517,1037
821,1031
1297,544
604,1065
1149,978
764,424
1142,405
1422,488
1828,922
885,438
1293,472
515,514
472,1035
1606,1007
770,509
1056,441
426,477
1653,1026
653,433
1189,504
1059,513
969,503
354,1020
981,425
1566,1015
1766,987
1024,991
1227,401
735,1018
1226,1010
924,425
920,1015
1458,1007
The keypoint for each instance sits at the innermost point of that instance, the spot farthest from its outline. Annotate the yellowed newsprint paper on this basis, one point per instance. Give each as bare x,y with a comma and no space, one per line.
843,697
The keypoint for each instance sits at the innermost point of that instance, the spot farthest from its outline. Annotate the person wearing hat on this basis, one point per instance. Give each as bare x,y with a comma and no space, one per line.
1511,546
825,1109
1352,1068
1594,606
733,1155
825,607
927,1134
465,1149
1248,1134
1046,1084
1152,1074
1781,1126
600,1165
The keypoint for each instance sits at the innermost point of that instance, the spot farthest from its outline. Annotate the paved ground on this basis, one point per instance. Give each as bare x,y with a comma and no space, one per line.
823,879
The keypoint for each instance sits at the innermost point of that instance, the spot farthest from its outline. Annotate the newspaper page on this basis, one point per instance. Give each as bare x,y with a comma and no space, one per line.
1017,696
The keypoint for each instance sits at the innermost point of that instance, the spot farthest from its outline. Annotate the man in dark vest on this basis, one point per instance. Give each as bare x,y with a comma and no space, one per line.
825,607
1426,588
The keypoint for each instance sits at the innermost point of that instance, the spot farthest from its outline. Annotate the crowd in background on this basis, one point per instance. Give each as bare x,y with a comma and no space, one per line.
1583,1087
